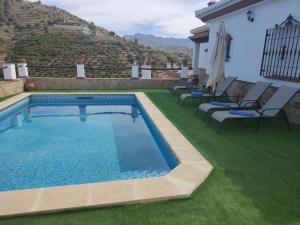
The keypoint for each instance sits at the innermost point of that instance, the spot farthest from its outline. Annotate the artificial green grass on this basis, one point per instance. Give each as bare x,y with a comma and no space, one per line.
256,178
7,97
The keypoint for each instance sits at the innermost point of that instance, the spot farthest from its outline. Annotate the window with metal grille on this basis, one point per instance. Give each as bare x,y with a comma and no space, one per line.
281,55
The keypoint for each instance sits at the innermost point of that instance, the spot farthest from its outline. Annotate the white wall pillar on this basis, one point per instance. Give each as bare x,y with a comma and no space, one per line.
80,71
146,74
22,70
169,65
9,71
184,72
196,54
135,71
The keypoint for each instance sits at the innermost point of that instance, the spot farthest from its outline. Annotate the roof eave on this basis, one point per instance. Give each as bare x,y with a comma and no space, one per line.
210,13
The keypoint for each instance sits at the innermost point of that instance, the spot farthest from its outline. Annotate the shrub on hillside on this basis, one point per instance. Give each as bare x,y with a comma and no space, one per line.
88,42
19,27
112,33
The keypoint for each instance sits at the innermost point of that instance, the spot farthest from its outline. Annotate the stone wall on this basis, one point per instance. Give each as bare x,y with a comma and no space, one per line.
240,88
101,84
8,88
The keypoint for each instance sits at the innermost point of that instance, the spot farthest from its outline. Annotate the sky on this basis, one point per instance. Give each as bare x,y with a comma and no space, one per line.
167,18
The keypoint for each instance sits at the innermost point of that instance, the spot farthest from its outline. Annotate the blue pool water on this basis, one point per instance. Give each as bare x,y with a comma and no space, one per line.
65,140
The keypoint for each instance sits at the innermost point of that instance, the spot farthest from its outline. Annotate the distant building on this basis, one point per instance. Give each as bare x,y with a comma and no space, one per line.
86,31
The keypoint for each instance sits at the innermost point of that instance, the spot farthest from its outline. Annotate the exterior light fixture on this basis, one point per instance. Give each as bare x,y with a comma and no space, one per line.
250,16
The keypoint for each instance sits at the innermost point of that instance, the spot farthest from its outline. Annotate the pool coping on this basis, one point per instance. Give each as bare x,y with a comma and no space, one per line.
180,182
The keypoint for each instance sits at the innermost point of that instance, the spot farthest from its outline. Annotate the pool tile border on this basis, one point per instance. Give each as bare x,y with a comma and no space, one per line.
192,170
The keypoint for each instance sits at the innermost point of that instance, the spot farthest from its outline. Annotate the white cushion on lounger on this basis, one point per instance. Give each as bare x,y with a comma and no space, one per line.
179,87
205,107
223,115
184,96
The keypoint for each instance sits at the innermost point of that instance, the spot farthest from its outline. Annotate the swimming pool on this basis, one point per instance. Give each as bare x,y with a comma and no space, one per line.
100,149
57,140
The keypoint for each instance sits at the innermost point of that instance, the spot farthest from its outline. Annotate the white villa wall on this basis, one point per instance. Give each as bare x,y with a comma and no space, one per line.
248,38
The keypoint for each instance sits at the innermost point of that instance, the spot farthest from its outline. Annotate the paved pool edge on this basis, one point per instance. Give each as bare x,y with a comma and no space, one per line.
180,182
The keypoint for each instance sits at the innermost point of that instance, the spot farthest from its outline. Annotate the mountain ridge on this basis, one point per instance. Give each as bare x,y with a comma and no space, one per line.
166,44
158,41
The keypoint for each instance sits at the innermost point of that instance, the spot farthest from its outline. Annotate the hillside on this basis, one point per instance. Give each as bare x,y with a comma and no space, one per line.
49,36
171,45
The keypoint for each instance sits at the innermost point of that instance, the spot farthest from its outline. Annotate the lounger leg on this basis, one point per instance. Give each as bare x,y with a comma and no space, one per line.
174,92
220,128
196,112
178,100
288,124
257,124
206,116
183,101
208,121
286,120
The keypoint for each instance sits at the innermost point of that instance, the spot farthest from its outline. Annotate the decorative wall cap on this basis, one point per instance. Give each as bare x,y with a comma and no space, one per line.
214,7
223,7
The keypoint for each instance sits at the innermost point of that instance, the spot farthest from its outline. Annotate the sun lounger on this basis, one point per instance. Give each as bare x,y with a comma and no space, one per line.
274,108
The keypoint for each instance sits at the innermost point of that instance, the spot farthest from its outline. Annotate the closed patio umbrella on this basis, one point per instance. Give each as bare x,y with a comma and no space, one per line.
218,59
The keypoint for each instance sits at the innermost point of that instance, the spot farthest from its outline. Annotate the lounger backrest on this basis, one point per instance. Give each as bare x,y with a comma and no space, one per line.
223,87
205,79
203,82
189,80
281,97
256,91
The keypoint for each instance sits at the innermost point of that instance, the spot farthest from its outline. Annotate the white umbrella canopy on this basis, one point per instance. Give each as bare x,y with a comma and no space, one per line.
218,56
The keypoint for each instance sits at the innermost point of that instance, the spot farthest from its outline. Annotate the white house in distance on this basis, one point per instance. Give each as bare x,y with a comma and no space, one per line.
256,49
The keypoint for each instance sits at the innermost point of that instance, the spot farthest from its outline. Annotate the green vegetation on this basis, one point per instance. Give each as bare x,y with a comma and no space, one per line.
256,178
7,97
49,36
63,49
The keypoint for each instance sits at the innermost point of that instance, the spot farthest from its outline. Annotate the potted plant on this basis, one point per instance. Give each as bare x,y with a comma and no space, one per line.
29,86
22,60
80,61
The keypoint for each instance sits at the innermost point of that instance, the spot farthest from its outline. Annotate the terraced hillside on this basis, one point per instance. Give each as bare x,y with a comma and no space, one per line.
47,36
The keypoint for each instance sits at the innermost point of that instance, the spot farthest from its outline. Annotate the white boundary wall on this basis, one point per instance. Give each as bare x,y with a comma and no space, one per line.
248,38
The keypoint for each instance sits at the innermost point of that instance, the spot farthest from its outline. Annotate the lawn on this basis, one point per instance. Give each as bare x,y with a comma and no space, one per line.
256,178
